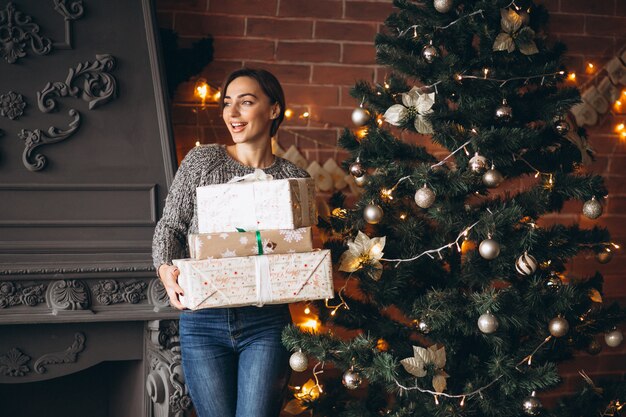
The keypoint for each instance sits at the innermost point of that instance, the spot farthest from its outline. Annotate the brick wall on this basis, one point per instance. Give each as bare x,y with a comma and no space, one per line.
318,49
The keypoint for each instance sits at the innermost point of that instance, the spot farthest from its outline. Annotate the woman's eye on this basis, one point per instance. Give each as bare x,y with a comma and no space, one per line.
247,102
226,104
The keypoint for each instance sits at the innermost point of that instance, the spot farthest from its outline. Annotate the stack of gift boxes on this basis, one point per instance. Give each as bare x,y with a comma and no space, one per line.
254,246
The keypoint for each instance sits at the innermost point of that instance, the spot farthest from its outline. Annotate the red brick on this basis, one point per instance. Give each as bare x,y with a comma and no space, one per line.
345,31
616,184
551,5
367,10
182,5
200,25
338,117
599,166
308,95
308,51
345,99
217,70
617,165
305,8
607,144
566,23
614,285
280,28
359,54
344,75
165,20
588,45
245,7
296,120
615,225
605,25
287,73
602,7
238,48
298,137
616,204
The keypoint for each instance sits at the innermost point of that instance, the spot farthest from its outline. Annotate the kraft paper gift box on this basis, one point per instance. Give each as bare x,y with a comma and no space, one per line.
255,280
259,242
256,205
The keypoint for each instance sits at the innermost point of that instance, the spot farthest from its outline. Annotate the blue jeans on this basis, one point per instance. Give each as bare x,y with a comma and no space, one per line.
234,362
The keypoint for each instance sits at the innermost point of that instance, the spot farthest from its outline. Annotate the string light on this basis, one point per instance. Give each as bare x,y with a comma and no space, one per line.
414,27
460,77
590,68
198,143
305,115
307,309
311,325
288,114
571,77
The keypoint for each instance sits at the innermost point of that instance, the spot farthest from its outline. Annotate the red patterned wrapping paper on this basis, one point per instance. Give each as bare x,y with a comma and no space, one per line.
255,280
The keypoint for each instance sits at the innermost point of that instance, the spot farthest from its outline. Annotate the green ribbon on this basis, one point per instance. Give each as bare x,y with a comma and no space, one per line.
259,243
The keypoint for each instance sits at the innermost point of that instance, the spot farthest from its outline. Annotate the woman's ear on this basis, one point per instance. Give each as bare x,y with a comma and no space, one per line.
275,111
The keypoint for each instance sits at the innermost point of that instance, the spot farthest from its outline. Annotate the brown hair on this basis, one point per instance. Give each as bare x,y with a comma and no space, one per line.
270,85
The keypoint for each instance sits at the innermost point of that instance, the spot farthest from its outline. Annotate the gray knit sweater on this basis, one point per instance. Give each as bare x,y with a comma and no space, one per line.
203,165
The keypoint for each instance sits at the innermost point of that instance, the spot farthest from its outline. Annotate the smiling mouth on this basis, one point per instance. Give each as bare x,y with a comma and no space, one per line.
237,127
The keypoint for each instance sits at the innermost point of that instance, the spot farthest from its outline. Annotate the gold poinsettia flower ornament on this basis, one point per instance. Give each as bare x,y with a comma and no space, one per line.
416,365
415,103
363,251
514,35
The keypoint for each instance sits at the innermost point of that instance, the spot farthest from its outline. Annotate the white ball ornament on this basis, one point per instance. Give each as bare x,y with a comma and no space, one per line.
558,327
592,209
360,116
614,338
424,197
488,323
526,264
373,214
298,361
443,6
489,249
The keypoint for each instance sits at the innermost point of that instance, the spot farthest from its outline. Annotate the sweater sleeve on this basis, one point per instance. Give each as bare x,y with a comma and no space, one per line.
170,235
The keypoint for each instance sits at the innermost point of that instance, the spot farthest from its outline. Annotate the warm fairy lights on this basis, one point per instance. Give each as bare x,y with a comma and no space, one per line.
572,77
198,143
288,114
590,68
311,325
202,90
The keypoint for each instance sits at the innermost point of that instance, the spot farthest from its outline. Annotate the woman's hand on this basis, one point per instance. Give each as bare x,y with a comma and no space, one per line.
169,278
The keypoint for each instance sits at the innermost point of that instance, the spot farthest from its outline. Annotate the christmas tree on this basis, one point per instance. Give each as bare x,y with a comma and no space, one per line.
455,299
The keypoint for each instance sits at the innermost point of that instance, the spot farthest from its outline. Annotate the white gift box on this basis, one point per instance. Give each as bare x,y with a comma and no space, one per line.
256,205
255,280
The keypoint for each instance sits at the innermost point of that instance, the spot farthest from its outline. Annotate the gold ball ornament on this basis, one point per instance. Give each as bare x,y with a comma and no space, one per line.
489,249
424,197
531,405
430,53
357,169
614,338
558,327
526,264
373,214
504,113
351,379
478,163
592,209
443,6
360,116
488,323
605,256
492,178
298,361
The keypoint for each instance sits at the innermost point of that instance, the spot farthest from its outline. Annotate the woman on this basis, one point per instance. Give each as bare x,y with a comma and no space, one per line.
233,358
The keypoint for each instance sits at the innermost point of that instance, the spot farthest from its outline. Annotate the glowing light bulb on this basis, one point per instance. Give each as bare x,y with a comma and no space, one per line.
288,113
198,143
202,90
572,77
307,310
306,115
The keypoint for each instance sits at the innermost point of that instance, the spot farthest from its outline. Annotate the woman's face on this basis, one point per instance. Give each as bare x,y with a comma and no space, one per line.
248,113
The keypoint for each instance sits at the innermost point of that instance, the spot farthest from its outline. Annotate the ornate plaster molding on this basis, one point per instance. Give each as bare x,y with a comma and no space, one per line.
36,138
87,270
12,105
17,31
110,291
70,11
68,294
14,363
13,294
69,355
157,296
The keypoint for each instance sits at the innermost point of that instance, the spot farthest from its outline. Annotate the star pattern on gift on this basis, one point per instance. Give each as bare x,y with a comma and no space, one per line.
243,240
295,235
363,251
514,34
414,103
423,359
229,253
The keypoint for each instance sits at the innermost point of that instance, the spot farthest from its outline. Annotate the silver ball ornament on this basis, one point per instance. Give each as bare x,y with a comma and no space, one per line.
443,6
531,405
558,327
492,178
351,379
553,282
614,338
504,113
360,116
298,361
489,249
356,169
526,264
430,53
360,181
592,208
488,323
561,126
478,163
373,214
424,197
605,256
423,327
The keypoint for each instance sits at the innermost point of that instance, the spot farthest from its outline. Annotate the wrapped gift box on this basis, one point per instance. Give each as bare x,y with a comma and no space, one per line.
256,205
260,242
255,280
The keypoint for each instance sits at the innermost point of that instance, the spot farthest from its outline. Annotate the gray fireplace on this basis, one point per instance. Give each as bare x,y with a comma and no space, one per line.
86,157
